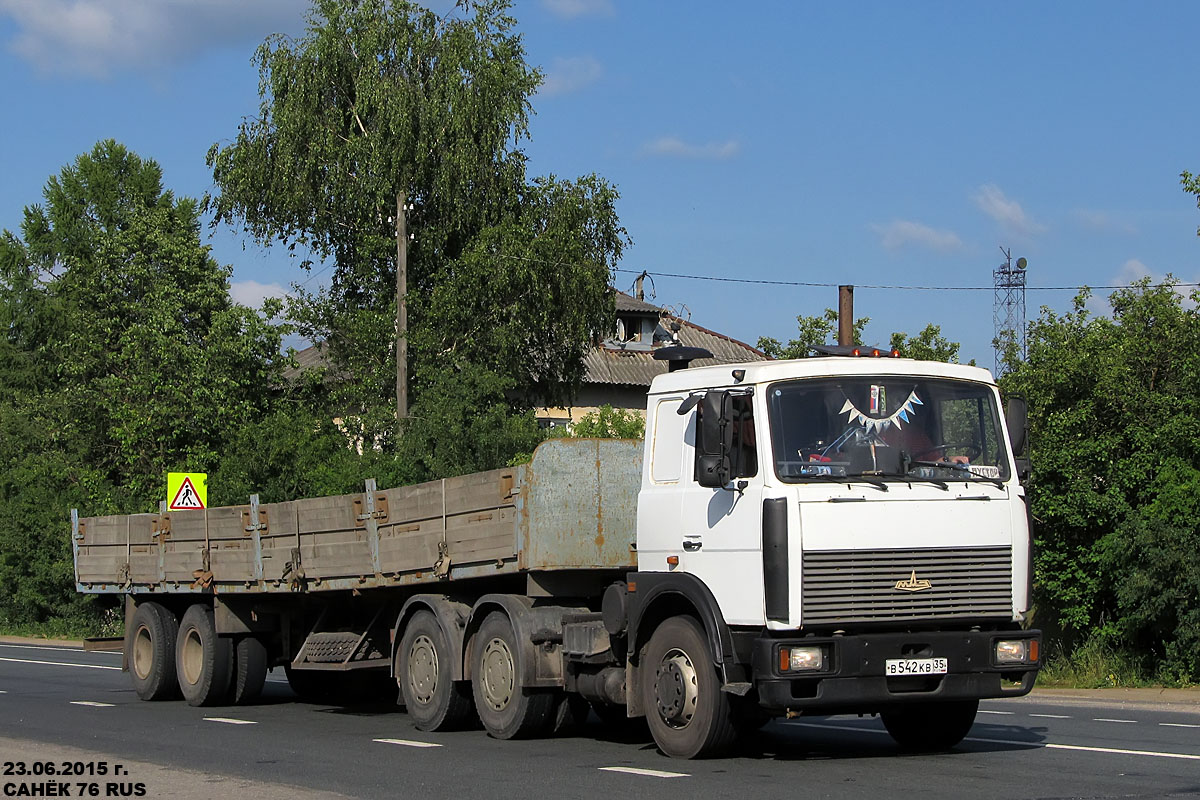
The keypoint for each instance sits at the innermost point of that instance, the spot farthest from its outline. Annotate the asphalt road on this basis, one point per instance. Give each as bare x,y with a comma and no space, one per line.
60,703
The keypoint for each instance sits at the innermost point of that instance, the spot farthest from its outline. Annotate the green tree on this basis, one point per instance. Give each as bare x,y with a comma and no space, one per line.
1115,432
607,422
382,105
928,345
124,358
813,330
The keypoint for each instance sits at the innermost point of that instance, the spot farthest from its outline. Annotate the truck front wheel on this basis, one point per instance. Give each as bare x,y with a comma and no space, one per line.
203,660
506,708
151,648
928,727
688,714
434,700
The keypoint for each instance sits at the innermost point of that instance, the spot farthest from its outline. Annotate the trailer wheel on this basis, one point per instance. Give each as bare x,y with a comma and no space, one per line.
927,727
688,714
151,647
203,660
507,710
249,670
434,701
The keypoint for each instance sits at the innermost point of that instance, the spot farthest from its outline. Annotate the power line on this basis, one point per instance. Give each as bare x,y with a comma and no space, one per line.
908,288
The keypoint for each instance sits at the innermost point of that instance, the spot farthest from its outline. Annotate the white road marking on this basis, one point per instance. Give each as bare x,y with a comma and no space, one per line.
3,691
406,742
58,663
1051,716
60,649
231,721
1178,725
1005,713
1188,756
91,703
649,773
1014,743
1106,719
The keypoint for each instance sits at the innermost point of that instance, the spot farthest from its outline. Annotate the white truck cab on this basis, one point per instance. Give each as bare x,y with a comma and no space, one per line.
857,525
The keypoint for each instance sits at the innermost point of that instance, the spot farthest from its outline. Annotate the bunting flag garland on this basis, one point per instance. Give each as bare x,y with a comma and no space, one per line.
872,424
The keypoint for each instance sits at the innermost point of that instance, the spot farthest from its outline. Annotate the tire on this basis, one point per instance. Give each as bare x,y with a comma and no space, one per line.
688,714
927,727
150,642
423,669
203,660
249,670
506,709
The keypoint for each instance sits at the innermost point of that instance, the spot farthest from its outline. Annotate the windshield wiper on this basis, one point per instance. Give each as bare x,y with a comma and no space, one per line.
958,467
941,484
878,484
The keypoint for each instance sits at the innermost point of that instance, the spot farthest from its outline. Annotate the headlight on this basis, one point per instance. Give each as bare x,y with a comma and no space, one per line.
801,659
1016,651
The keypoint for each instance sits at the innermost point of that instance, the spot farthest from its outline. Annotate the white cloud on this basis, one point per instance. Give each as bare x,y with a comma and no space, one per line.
569,9
993,202
97,37
567,75
675,147
252,293
902,232
1103,221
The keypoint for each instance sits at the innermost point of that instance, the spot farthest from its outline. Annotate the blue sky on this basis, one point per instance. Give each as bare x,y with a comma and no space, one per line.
867,143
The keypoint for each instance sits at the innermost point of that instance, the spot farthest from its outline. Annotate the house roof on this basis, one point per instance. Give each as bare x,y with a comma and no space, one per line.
610,363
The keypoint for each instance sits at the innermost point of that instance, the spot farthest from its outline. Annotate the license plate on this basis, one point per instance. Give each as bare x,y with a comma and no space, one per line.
916,666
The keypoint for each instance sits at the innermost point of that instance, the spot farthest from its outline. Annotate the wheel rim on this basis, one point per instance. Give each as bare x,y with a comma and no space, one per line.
143,653
499,674
422,669
676,688
193,656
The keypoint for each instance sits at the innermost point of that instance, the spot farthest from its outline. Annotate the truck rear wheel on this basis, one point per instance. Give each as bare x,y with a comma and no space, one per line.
423,669
688,714
506,708
151,648
249,670
203,660
927,727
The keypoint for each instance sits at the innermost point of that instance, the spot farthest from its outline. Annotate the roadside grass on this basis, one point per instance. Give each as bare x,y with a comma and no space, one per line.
1093,665
110,623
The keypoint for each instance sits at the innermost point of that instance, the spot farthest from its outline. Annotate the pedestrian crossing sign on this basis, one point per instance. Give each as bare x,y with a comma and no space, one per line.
187,491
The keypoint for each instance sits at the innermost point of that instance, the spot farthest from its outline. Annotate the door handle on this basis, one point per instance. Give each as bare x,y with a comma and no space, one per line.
692,546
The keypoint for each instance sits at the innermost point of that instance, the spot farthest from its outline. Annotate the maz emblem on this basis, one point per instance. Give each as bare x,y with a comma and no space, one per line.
912,584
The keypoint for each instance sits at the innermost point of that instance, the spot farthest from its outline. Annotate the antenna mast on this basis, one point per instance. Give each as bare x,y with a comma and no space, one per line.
1008,310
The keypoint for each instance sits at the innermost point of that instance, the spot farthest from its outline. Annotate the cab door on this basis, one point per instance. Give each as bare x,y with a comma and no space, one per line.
720,531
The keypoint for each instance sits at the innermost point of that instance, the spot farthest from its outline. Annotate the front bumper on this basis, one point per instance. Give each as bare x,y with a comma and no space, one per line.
854,681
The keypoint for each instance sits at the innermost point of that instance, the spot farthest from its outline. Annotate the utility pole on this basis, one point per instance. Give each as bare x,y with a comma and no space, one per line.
845,315
401,307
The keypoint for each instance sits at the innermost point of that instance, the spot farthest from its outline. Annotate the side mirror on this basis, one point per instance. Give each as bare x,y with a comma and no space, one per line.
1017,418
714,467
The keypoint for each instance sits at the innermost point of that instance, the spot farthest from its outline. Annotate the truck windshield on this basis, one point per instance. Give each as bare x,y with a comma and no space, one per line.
887,428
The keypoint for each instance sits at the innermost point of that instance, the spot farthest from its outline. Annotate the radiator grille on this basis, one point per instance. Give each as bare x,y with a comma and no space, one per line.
860,585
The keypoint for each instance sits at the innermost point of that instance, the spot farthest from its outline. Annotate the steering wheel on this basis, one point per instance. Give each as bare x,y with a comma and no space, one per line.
973,451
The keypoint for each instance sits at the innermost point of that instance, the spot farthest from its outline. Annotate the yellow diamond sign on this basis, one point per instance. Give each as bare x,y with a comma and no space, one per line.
187,491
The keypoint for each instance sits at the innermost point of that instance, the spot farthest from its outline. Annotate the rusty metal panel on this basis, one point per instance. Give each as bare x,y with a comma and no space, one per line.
579,504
